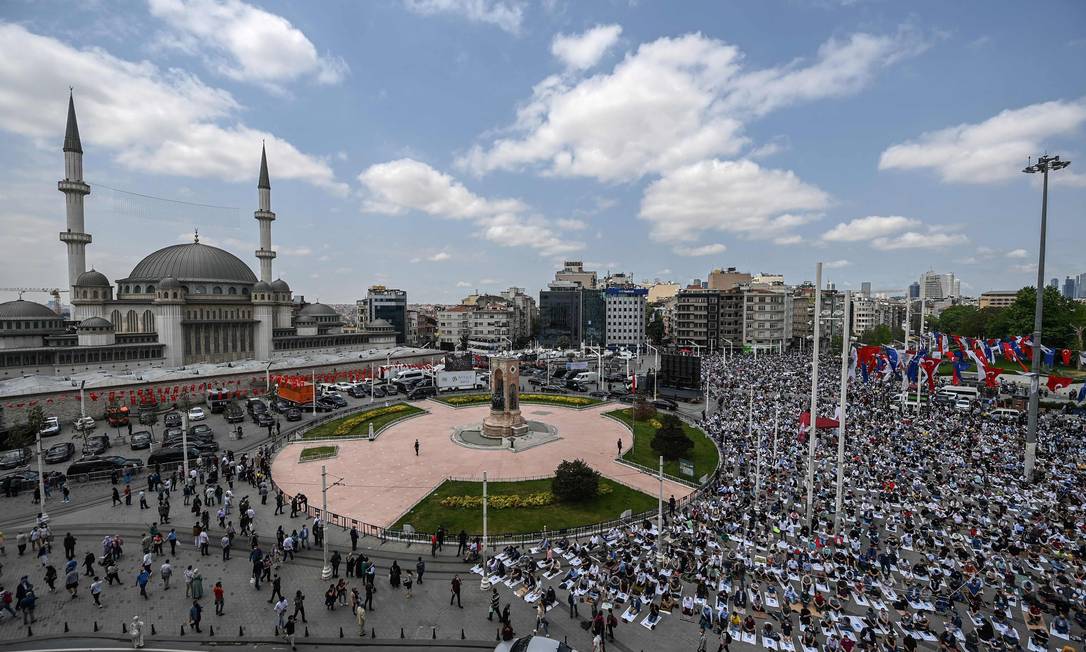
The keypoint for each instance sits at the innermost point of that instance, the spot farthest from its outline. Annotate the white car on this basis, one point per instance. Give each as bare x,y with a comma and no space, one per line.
341,386
962,404
533,644
84,423
197,414
50,427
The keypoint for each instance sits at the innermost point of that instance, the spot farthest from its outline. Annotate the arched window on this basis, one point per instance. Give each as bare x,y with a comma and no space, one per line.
216,290
136,289
131,322
150,289
127,288
175,294
245,291
84,295
115,317
148,321
94,293
232,290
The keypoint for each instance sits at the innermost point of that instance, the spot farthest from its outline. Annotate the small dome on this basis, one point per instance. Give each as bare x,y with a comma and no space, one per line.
96,322
319,310
92,279
20,309
380,323
279,285
169,283
261,286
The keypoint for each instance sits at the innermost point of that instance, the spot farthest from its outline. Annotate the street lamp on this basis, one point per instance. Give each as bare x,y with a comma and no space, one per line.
655,369
1043,165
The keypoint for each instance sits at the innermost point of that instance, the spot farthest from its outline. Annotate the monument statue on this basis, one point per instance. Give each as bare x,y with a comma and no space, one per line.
504,419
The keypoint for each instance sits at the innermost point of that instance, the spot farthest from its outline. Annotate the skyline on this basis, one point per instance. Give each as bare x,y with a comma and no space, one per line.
463,146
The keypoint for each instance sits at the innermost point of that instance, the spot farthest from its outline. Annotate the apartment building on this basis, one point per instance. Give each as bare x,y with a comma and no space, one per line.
626,317
767,316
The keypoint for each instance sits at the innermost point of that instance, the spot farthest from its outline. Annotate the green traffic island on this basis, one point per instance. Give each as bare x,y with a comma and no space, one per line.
559,400
313,453
675,440
358,424
525,506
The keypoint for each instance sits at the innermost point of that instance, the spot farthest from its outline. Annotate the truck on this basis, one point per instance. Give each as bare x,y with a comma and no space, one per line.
296,394
448,381
217,399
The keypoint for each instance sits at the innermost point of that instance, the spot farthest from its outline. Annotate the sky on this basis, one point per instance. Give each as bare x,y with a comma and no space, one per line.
449,146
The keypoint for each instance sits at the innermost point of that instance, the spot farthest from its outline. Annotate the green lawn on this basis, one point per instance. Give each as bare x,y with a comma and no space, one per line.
358,424
429,514
704,455
316,451
560,400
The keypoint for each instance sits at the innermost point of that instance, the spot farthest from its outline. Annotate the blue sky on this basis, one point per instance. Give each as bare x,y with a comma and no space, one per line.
443,146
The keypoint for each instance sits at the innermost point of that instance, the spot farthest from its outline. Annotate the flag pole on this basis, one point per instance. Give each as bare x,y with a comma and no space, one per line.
920,334
841,417
750,427
905,375
812,428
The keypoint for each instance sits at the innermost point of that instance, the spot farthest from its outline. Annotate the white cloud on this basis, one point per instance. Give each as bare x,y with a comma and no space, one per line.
439,257
1017,253
293,251
582,51
572,225
703,250
836,264
404,185
865,228
917,240
988,151
671,102
728,196
788,239
506,15
153,120
245,43
1026,268
463,284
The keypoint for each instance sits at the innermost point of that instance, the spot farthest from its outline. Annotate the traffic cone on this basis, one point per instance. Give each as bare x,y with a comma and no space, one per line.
401,633
497,634
96,625
307,631
65,626
182,630
462,637
124,628
433,634
153,632
373,633
241,632
29,632
341,632
211,630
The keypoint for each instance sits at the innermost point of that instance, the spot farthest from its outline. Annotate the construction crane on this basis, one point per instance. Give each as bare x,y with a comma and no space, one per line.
54,292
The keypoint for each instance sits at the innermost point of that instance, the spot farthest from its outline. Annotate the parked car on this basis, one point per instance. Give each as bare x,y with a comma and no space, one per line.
360,390
51,427
202,445
201,430
555,389
61,452
15,458
96,445
234,413
293,414
533,644
197,414
25,480
962,404
82,469
341,386
263,420
665,404
389,388
598,394
140,440
379,392
535,380
421,393
254,405
172,420
85,423
171,456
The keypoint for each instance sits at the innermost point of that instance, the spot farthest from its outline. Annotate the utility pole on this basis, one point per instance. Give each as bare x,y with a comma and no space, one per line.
1044,164
326,570
484,520
841,417
41,480
660,516
813,429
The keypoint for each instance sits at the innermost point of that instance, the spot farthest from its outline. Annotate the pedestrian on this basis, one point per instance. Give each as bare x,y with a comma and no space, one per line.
71,582
219,601
416,448
141,581
88,564
462,543
571,600
225,543
135,630
195,613
171,537
28,604
299,605
165,571
69,546
407,582
370,589
360,618
620,448
288,631
433,545
455,588
116,497
112,573
420,568
280,609
612,623
277,586
495,604
725,640
51,578
127,495
188,582
335,561
197,584
701,640
354,538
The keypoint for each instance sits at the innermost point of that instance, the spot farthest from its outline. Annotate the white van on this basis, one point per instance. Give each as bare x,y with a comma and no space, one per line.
1007,414
960,391
408,376
585,377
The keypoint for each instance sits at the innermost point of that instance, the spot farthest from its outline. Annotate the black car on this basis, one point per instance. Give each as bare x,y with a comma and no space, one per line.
171,432
534,380
555,389
172,456
421,393
14,458
263,420
172,420
61,452
234,413
599,394
25,480
140,440
255,405
359,391
201,430
379,392
201,445
665,404
87,467
96,444
121,461
293,414
390,390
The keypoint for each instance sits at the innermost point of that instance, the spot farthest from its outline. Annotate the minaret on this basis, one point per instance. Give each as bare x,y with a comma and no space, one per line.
265,216
74,190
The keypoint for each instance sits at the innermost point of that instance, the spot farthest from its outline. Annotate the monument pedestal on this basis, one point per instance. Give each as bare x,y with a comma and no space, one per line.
504,419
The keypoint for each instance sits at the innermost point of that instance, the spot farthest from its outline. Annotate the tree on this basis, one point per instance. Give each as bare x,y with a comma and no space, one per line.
643,410
655,330
1017,319
881,334
27,433
575,481
563,342
463,342
670,440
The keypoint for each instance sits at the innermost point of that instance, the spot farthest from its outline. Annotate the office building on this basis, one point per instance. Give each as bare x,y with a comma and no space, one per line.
914,290
625,317
997,298
1069,289
387,304
865,289
940,286
727,279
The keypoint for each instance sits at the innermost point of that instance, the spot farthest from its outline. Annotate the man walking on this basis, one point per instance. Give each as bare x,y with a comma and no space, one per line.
455,591
360,618
420,568
225,542
142,580
416,448
354,539
220,602
299,605
280,612
277,586
288,631
369,597
195,613
165,571
571,600
96,591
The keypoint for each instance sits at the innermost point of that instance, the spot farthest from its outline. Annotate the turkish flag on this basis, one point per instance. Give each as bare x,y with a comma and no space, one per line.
1058,382
822,423
1065,355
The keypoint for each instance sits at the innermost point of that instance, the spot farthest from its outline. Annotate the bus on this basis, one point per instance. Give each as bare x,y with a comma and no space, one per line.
217,399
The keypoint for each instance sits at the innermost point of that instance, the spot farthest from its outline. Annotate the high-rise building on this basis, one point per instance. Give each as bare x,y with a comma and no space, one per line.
1054,283
1080,287
865,289
767,316
1069,287
387,304
940,286
914,290
626,316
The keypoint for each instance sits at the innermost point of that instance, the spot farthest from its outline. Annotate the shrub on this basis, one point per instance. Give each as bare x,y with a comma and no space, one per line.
670,440
643,410
575,482
352,423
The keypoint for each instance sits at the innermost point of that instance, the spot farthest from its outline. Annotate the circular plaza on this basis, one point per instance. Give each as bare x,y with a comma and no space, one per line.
377,482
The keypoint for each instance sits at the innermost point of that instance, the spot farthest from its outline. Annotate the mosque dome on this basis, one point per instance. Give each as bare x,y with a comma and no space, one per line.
20,309
261,286
95,322
92,279
279,285
169,283
193,262
318,310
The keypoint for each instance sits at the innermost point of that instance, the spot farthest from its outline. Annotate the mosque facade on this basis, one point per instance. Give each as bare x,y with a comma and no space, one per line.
184,304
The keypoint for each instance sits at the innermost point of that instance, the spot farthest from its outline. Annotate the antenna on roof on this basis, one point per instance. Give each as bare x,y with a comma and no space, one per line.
196,235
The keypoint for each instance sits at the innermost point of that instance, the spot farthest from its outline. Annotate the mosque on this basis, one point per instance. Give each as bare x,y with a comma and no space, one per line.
183,304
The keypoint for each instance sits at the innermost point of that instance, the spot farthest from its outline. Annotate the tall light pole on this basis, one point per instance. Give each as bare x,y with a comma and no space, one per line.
655,370
326,569
1043,165
41,481
812,431
845,345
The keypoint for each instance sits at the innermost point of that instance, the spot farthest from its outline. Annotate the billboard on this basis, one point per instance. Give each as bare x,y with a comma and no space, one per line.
458,361
577,366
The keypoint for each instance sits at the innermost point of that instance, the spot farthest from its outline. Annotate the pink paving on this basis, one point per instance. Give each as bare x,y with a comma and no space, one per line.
383,479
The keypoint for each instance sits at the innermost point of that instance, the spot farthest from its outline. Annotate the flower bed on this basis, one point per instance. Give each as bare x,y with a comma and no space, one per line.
317,452
546,399
357,425
507,501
